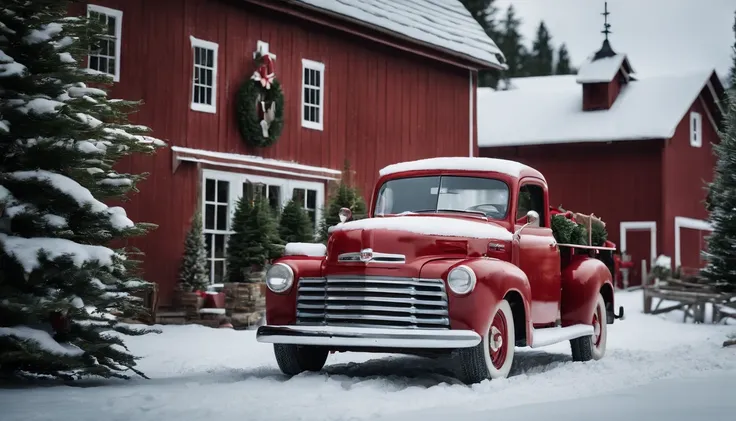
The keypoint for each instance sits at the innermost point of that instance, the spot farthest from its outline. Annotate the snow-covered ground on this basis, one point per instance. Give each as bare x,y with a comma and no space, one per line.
655,367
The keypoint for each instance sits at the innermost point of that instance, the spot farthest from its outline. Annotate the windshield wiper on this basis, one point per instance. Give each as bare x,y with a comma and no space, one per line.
449,211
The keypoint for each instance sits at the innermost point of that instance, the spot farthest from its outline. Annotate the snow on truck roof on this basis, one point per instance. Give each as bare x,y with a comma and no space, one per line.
548,110
445,24
504,166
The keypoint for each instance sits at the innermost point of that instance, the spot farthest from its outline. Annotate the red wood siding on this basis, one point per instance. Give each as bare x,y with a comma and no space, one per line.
685,171
601,96
381,105
619,182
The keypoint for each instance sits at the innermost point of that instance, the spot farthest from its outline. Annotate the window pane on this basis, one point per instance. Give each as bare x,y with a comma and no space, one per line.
316,78
219,246
208,245
94,63
209,189
222,191
316,98
111,24
103,64
222,217
197,100
208,97
313,114
219,271
274,197
306,112
111,66
111,48
197,53
210,58
209,217
248,191
208,77
311,199
298,196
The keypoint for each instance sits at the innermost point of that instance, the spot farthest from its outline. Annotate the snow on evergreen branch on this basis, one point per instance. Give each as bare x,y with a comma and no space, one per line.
27,251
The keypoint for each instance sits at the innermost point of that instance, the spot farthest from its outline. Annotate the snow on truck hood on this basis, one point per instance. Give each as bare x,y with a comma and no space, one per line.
429,225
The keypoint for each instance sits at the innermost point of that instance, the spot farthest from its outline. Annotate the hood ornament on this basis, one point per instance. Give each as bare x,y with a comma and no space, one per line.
366,255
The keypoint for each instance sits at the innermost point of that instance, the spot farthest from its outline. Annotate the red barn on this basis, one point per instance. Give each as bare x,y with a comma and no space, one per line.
637,153
368,81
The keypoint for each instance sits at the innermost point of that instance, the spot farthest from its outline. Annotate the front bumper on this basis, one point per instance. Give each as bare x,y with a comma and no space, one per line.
339,336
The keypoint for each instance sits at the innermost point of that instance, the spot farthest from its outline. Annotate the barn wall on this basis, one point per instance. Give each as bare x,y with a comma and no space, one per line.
382,105
618,182
686,170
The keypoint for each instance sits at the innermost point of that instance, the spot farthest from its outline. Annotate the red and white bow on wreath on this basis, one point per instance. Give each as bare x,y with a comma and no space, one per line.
265,73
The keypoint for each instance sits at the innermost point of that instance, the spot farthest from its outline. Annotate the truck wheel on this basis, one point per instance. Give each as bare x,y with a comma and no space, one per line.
493,356
294,359
593,347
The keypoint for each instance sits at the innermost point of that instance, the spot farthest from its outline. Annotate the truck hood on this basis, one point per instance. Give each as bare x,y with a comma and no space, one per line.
405,243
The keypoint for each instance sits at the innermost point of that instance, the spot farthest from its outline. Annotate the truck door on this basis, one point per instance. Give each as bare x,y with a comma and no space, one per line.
539,256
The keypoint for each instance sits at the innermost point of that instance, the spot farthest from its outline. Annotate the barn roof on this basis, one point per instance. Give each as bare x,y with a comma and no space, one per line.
548,109
443,24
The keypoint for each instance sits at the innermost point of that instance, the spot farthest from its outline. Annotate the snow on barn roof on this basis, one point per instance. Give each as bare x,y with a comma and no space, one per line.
601,70
548,109
512,168
446,24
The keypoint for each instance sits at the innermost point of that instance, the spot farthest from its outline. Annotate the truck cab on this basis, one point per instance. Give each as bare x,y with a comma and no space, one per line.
457,256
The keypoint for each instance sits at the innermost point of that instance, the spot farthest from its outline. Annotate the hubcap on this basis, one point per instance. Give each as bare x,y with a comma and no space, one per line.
497,345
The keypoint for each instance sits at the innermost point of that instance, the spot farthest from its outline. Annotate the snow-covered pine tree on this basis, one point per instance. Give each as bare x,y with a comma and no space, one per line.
193,273
254,241
721,202
63,287
294,224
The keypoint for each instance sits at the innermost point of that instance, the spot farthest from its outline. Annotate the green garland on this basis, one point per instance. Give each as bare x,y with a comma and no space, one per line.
249,96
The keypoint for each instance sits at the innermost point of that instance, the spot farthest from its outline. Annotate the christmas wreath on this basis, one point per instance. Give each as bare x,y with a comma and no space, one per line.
260,104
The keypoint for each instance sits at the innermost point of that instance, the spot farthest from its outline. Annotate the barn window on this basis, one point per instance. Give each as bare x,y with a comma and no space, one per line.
204,77
313,82
531,197
221,191
216,225
104,53
696,130
308,199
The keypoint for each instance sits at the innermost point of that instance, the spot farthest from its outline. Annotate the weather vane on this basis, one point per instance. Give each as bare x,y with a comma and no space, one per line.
606,25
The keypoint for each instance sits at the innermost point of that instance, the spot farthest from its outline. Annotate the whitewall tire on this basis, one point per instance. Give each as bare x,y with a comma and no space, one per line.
493,356
593,347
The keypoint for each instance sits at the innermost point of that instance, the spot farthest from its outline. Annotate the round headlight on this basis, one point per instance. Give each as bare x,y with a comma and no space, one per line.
461,280
279,278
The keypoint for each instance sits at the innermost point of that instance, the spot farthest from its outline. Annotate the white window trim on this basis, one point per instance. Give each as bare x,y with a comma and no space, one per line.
118,15
689,223
196,42
696,129
320,67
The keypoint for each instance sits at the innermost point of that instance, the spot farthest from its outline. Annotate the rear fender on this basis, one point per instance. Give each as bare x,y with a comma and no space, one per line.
281,308
495,279
582,281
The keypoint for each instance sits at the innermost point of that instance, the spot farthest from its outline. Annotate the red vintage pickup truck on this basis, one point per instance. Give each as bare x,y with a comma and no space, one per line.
451,260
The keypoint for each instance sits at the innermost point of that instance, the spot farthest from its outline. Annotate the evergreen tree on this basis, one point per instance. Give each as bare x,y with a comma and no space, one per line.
510,42
193,273
541,59
721,201
732,73
254,241
563,67
295,225
484,12
344,196
63,287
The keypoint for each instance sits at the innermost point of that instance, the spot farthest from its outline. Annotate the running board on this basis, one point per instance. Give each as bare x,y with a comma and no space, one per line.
553,335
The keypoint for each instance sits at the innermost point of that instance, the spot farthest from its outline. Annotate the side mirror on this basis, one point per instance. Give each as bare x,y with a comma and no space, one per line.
345,214
532,220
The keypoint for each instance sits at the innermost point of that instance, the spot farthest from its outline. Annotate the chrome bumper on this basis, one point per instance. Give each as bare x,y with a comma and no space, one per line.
367,337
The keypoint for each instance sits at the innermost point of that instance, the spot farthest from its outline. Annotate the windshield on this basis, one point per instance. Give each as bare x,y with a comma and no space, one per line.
486,196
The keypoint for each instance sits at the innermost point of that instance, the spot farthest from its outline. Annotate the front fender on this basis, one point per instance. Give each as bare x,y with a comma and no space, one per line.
281,308
496,278
582,280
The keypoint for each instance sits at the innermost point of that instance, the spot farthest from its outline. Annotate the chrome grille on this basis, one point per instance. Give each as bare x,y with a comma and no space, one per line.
372,302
